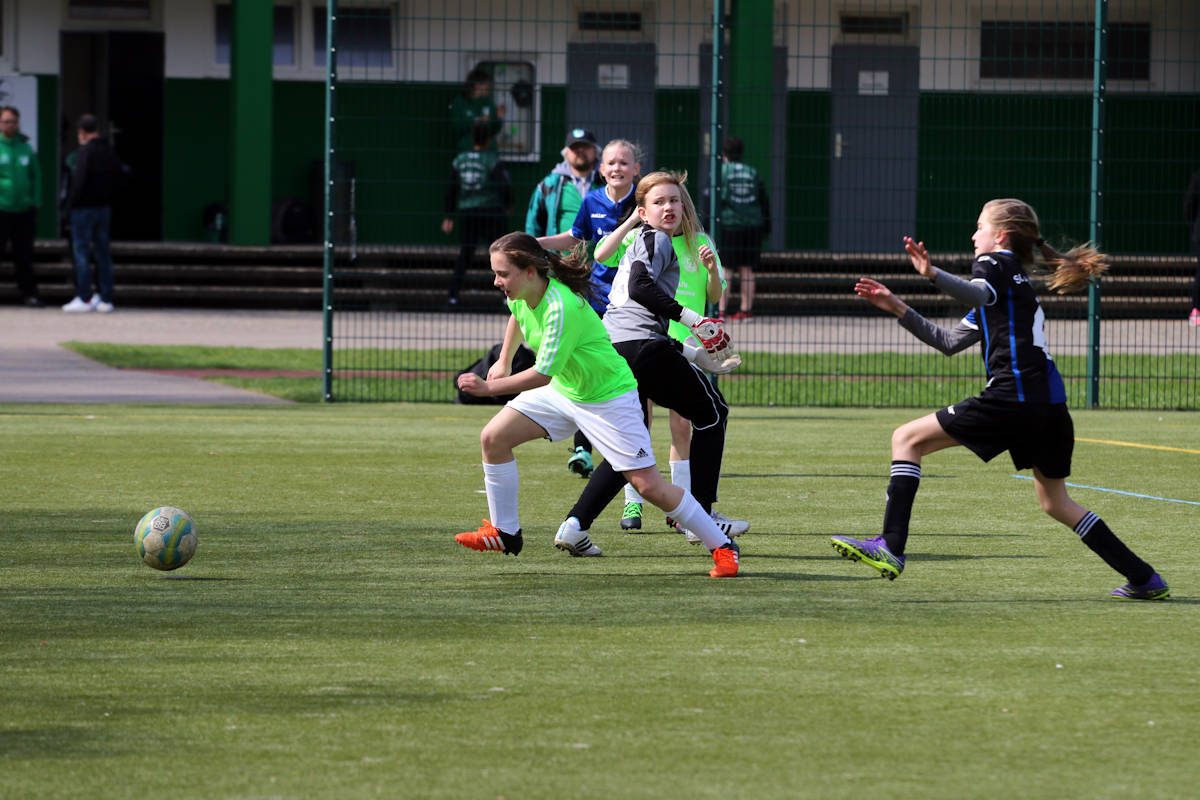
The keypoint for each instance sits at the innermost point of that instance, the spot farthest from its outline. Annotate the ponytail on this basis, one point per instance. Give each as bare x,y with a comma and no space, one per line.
573,270
1070,271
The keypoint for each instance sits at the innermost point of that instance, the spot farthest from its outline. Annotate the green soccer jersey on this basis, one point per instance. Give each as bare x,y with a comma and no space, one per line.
693,277
572,346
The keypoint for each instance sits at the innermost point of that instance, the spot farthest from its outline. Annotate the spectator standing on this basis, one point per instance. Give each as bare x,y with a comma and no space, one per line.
20,196
95,175
475,104
1191,212
557,197
745,220
480,192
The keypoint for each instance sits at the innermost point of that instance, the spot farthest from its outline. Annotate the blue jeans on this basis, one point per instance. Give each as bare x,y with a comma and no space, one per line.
89,235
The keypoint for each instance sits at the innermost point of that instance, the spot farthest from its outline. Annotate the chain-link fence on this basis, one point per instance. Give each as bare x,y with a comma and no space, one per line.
865,120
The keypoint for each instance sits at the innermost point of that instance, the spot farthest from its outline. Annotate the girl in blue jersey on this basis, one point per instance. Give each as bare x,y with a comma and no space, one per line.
600,213
578,382
1022,408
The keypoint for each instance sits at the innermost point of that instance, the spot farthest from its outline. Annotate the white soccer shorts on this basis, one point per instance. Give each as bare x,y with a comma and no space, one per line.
614,427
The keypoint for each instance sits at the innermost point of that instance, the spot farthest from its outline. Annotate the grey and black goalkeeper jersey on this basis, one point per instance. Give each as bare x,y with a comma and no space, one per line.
642,300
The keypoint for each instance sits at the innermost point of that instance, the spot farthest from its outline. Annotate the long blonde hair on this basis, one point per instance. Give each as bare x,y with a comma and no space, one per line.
1070,271
689,225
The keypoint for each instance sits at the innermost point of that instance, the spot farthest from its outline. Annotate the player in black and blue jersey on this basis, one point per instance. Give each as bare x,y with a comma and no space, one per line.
1022,408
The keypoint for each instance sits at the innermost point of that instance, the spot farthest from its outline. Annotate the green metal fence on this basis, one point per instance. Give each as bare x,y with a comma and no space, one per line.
867,120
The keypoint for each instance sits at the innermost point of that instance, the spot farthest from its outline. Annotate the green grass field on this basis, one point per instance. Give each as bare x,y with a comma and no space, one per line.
329,639
819,379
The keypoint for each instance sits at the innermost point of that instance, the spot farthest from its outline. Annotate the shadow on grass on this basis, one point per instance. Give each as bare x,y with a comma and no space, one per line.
879,476
196,578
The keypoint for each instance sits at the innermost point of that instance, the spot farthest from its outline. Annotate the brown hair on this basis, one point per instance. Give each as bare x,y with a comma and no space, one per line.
690,224
573,270
1070,271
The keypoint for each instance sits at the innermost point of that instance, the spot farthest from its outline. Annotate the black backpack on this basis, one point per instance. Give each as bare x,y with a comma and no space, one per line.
522,360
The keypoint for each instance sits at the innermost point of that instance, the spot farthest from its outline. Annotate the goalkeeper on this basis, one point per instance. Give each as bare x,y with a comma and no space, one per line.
641,306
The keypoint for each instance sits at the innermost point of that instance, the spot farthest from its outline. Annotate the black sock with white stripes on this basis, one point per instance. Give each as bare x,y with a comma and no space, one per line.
1104,543
901,491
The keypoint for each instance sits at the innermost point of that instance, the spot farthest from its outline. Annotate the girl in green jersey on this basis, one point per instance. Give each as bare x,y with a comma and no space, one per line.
578,382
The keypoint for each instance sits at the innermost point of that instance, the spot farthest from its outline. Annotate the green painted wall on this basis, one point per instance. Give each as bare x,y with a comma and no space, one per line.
806,218
196,148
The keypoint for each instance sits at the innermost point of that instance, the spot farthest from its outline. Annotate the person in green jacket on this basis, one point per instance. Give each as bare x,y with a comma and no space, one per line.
480,194
20,196
475,104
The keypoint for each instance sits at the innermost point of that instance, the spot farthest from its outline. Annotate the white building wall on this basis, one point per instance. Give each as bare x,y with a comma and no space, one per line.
439,40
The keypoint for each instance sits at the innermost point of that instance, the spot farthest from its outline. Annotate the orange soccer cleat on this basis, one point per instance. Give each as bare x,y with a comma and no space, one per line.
489,537
725,559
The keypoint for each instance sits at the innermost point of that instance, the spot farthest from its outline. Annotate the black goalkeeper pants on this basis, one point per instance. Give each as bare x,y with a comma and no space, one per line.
671,381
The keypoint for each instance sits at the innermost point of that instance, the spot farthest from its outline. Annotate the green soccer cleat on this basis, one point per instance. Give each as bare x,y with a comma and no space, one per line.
580,462
872,552
631,517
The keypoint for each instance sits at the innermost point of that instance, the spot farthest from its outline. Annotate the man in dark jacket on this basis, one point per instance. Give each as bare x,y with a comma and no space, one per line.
94,181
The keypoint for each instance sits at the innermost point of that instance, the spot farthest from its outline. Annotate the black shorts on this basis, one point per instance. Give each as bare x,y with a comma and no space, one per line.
671,381
741,247
1035,434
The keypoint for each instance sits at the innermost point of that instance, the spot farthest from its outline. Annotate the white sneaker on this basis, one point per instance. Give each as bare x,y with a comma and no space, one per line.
78,306
95,301
574,540
105,308
727,526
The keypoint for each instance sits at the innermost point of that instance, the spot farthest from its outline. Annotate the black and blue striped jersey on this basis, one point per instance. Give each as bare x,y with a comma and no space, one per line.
1012,334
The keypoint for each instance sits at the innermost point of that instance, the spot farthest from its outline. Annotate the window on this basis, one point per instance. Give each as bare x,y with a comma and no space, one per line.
891,25
364,36
610,21
285,34
108,9
1062,50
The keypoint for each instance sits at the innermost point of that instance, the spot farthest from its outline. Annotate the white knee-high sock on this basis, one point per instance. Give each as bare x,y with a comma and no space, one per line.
631,494
501,482
681,474
692,516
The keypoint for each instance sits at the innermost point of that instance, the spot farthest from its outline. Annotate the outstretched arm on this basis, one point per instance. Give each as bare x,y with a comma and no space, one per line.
971,293
609,244
946,341
559,241
880,296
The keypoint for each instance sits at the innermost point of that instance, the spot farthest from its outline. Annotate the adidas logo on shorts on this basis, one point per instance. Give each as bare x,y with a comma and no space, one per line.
641,453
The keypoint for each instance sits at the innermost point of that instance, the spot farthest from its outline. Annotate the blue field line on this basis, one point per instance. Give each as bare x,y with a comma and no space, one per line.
1118,491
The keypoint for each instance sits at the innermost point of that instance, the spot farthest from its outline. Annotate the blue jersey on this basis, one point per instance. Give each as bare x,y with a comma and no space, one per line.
598,217
1013,337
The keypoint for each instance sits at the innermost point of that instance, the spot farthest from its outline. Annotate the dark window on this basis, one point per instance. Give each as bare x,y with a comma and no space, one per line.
364,36
285,34
1061,50
610,20
887,25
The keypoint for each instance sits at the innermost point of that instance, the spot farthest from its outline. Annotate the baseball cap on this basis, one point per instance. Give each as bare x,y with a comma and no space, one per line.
576,135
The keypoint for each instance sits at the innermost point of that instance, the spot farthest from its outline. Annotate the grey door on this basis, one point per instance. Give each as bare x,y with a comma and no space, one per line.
610,91
873,155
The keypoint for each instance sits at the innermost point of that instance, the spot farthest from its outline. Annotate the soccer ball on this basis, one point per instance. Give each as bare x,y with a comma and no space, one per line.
165,538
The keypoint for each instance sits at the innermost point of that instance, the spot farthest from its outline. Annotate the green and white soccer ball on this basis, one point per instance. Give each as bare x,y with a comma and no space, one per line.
165,538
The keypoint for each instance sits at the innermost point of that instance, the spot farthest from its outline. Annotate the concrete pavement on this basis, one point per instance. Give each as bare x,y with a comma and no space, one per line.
34,368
